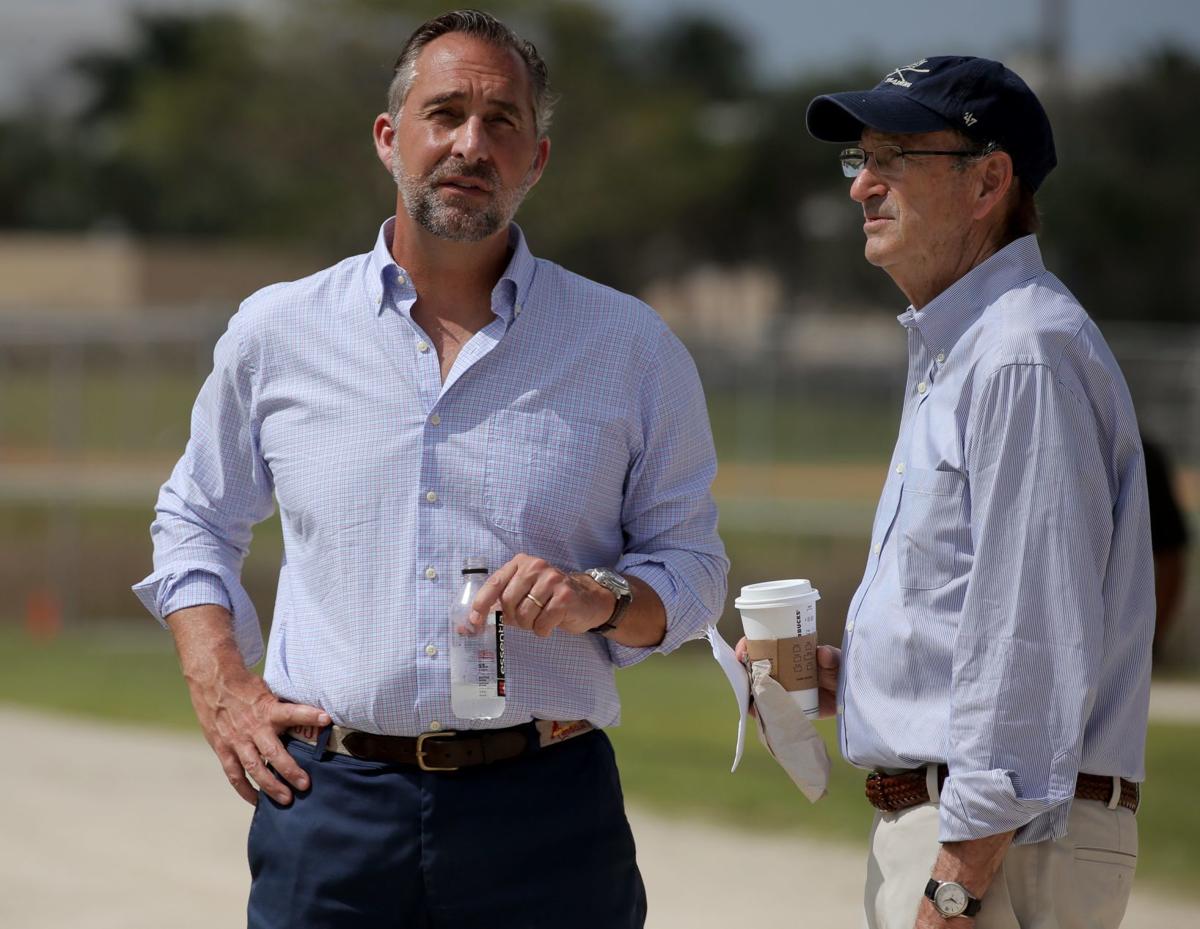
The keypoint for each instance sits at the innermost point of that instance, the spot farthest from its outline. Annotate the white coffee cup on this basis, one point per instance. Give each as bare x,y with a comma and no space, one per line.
784,610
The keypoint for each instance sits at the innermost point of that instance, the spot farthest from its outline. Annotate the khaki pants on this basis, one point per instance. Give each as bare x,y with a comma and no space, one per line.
1081,881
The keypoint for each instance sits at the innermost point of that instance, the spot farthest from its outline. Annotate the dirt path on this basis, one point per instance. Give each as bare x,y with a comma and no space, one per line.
1175,702
111,827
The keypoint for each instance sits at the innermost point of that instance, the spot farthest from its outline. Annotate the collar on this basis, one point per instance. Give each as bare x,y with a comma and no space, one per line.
943,320
385,279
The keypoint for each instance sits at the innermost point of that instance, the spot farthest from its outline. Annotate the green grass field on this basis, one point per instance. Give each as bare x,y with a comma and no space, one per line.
675,742
139,407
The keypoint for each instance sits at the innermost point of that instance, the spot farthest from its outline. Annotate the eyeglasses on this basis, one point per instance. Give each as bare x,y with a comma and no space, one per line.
889,159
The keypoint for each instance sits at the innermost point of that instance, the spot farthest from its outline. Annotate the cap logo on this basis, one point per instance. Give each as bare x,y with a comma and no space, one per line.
969,119
898,78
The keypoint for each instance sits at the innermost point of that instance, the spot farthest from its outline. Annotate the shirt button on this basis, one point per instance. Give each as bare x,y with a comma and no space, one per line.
401,279
422,346
430,573
941,356
875,549
431,650
921,388
900,468
435,420
850,626
431,496
517,308
435,726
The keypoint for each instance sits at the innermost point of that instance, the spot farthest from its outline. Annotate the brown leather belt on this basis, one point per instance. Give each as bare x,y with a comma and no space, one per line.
894,792
444,751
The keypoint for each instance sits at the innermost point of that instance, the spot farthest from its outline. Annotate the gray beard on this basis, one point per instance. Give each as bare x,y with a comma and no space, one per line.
458,220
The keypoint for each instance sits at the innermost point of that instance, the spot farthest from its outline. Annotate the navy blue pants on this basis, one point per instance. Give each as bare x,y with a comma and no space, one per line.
539,842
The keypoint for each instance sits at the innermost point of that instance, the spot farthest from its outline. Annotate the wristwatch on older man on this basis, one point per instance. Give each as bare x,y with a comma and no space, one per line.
617,586
951,898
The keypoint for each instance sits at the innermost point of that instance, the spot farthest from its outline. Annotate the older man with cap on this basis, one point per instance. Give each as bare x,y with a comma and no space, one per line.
995,667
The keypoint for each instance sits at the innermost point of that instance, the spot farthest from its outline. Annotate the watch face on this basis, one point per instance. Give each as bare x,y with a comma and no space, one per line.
950,899
612,580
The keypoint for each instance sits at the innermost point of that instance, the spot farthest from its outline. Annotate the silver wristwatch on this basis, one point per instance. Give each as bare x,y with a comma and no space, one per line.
619,587
951,899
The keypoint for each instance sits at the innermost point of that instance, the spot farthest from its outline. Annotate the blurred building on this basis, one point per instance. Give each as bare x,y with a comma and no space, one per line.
114,274
743,313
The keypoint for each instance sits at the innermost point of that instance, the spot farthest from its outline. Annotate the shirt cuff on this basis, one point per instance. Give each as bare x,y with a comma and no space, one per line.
194,588
166,591
978,804
683,621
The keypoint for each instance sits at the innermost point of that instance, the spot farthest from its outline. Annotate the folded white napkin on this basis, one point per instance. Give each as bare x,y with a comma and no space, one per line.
788,734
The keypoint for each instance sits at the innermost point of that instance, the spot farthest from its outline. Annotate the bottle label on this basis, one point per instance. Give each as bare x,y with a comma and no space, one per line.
499,653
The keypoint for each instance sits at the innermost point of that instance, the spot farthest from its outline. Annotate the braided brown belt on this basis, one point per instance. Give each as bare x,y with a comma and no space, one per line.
894,792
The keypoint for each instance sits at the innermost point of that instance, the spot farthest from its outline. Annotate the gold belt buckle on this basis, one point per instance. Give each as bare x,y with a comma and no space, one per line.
421,750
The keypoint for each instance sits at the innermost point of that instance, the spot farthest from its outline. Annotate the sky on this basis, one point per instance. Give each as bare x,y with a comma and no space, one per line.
793,35
788,37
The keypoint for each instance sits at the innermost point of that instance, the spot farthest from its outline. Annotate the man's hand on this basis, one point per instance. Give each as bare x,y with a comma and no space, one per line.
240,717
972,863
535,595
929,918
829,661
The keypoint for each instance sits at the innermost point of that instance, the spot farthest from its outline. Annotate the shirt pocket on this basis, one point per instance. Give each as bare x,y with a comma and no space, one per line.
536,482
934,529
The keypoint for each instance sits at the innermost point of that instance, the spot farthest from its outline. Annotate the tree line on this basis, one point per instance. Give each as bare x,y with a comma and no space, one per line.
668,151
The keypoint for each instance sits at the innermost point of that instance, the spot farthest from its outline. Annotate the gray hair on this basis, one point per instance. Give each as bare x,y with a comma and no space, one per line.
481,26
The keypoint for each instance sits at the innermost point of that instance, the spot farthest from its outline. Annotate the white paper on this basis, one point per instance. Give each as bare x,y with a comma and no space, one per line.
788,734
739,680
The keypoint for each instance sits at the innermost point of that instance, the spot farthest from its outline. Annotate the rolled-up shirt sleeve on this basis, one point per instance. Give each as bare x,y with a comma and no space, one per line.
206,510
668,514
1029,641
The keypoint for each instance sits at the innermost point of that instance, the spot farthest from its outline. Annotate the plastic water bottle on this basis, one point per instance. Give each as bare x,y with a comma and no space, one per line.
476,654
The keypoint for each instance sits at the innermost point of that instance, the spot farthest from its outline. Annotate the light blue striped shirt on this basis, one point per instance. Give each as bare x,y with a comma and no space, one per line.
571,427
1003,624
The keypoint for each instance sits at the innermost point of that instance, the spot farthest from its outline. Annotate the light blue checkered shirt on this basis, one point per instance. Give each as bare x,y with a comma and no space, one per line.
1003,624
572,427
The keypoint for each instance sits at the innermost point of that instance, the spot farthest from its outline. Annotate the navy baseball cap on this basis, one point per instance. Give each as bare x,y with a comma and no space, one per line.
977,96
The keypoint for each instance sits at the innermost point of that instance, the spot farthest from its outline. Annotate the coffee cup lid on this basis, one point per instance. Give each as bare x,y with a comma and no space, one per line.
774,593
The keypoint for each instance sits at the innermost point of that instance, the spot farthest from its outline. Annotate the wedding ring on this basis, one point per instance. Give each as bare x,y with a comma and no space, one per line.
540,605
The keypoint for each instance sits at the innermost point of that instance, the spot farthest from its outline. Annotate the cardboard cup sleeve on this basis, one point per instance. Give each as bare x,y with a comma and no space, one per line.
793,661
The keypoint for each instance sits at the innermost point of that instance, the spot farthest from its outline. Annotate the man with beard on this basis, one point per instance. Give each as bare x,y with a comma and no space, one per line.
996,660
445,397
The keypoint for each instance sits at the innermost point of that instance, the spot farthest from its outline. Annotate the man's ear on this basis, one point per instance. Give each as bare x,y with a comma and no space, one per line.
540,160
384,135
994,175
